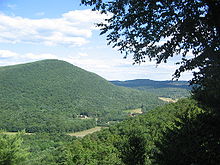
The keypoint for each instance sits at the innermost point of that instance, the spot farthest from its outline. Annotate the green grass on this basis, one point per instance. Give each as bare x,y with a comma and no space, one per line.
169,100
137,110
85,132
14,133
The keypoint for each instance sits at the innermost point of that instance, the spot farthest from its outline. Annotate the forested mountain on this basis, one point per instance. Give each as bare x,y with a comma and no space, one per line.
49,95
171,89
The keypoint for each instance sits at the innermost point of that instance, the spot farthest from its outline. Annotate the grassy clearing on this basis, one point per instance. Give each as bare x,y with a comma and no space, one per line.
14,133
85,132
168,99
77,134
137,111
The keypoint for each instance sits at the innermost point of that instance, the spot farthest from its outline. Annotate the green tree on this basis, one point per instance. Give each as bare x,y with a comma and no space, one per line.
194,140
160,29
133,150
11,150
90,152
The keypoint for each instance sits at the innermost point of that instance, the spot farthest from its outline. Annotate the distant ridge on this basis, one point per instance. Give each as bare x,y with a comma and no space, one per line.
48,95
167,89
152,83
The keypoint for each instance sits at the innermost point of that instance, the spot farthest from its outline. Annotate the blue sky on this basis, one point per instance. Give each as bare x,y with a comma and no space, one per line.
32,30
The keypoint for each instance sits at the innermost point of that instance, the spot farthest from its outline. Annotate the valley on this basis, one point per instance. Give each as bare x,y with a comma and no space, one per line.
64,109
112,145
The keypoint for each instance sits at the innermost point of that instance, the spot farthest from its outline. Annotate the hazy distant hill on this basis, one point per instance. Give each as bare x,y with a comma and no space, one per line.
48,95
172,89
152,84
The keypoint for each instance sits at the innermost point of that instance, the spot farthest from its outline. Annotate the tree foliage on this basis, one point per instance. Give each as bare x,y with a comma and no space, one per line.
160,29
194,140
133,148
11,150
45,148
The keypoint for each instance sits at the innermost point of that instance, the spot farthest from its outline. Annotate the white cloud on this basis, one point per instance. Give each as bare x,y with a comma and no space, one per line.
8,57
121,69
84,16
73,28
40,56
7,54
83,54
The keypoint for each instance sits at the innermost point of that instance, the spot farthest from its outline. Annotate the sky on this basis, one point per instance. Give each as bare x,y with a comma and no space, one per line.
33,30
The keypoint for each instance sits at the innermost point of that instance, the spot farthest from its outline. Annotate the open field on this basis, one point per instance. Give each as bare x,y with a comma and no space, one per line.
168,99
85,132
14,133
77,134
138,111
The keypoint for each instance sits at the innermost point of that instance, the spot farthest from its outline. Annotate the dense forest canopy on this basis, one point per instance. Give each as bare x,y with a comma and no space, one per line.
162,29
178,133
148,139
50,96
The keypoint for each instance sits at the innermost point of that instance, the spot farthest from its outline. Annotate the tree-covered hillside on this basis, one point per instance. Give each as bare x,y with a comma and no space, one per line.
50,95
178,133
171,89
131,142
